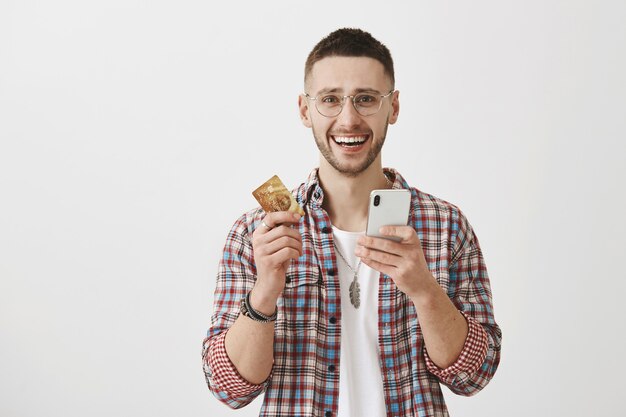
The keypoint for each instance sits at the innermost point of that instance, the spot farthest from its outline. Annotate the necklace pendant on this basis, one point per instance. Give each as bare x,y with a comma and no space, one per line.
355,288
355,293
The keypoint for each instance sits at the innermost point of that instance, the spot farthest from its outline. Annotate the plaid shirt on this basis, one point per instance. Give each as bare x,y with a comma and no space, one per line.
307,341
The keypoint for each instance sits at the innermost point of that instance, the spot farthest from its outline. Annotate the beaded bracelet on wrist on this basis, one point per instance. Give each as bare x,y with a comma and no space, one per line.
248,311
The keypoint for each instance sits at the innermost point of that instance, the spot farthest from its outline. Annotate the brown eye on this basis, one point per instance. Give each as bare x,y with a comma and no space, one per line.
330,100
365,99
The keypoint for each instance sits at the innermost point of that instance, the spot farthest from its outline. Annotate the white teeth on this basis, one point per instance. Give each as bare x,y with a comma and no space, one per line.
351,139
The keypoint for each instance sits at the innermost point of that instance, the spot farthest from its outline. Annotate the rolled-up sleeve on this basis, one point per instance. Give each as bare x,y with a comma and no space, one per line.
225,382
470,291
470,359
236,276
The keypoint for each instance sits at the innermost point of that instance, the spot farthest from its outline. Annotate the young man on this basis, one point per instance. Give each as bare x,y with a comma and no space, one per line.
424,315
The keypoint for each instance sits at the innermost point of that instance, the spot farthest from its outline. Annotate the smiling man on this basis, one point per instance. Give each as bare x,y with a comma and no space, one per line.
284,323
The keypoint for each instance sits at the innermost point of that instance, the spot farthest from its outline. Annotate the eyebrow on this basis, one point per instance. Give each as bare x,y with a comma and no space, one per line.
356,91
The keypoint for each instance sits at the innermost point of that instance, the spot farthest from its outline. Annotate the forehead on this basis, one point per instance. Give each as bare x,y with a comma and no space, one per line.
347,74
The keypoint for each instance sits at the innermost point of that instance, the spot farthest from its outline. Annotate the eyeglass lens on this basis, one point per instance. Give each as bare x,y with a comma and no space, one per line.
330,105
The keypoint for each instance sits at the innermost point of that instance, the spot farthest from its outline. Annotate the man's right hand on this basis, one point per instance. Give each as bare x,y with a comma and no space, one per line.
274,244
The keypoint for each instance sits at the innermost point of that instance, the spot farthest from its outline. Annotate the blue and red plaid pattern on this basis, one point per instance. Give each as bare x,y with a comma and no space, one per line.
307,342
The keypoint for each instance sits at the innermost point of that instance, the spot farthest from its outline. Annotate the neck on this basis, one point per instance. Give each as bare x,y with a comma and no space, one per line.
346,198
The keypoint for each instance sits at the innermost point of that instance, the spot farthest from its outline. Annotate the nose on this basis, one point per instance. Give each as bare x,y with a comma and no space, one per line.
348,116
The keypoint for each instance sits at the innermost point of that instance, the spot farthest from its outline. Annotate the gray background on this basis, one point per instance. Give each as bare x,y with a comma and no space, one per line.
132,133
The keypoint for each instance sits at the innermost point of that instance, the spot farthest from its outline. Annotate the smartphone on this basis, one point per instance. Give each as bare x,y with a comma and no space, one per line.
387,208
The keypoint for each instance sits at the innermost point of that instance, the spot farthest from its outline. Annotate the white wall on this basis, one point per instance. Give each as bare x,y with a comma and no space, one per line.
132,133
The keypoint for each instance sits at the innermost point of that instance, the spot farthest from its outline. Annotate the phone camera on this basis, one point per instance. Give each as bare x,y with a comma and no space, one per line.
376,200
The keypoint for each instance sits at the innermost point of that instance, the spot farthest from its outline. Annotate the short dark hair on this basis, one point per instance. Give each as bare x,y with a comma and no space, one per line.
354,43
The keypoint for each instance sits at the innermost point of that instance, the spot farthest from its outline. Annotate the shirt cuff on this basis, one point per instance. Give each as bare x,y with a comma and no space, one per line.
225,375
471,357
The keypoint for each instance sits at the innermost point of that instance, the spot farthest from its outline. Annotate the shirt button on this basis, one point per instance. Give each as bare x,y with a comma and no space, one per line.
317,194
331,368
331,272
326,229
288,280
328,414
332,320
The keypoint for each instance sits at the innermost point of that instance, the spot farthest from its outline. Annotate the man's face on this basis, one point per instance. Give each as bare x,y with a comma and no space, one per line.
349,142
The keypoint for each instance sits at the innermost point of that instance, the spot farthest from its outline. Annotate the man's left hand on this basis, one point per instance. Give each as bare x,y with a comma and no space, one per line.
403,261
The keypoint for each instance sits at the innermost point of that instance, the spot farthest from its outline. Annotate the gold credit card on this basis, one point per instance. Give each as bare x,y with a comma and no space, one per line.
272,195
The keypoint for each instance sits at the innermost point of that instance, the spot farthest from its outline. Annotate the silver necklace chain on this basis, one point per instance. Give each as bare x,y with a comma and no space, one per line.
355,288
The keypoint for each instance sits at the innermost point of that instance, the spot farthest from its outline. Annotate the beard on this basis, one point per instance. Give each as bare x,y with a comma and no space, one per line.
349,170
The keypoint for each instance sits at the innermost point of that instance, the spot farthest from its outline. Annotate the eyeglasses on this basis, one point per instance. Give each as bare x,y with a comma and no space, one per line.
330,104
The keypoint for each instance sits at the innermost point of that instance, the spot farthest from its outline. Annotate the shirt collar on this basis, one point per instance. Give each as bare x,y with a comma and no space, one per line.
312,191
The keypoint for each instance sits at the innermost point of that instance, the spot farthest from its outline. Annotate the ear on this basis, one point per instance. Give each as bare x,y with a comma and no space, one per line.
305,115
395,107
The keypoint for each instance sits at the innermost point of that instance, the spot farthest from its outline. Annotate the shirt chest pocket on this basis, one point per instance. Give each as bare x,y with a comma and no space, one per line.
298,308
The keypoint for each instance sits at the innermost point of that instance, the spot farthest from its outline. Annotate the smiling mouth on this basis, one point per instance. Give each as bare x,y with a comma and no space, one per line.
350,141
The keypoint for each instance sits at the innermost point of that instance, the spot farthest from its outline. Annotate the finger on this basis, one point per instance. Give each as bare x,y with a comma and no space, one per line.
264,243
378,256
406,233
280,243
284,255
280,231
280,217
275,219
380,244
380,267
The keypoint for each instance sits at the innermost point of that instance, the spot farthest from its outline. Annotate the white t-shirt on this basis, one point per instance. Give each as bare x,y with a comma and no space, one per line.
360,377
